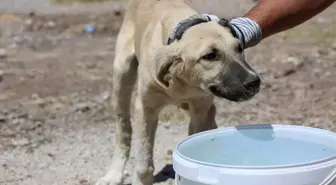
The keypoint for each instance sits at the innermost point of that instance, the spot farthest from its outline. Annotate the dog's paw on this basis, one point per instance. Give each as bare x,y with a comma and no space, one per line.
109,181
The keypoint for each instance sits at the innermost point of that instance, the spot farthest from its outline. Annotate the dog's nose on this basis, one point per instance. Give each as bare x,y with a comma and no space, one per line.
252,84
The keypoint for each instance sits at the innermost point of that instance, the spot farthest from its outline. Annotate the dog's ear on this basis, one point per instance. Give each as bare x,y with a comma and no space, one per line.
165,59
226,24
183,26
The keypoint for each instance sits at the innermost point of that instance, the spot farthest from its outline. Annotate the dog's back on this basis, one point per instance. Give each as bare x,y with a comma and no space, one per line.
155,19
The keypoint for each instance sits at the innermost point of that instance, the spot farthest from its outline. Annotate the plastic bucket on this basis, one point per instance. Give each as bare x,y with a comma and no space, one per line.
256,155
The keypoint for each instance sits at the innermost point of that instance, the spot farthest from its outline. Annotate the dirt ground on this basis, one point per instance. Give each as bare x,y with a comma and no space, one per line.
56,123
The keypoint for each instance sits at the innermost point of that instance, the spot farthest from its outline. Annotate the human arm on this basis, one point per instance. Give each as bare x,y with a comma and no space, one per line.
269,17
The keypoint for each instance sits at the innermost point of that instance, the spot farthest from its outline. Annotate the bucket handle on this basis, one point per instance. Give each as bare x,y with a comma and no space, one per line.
331,179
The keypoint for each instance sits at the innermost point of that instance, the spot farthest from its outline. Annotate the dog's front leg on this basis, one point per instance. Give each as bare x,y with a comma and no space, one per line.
202,115
144,129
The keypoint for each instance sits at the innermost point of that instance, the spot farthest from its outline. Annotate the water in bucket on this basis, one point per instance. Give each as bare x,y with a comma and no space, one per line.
256,155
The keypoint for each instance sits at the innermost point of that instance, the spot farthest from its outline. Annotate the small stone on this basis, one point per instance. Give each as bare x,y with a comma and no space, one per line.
12,46
117,10
169,155
333,47
83,181
3,118
3,53
20,142
82,107
17,39
41,103
293,60
311,86
266,86
57,106
170,152
28,25
317,71
1,75
29,22
321,20
321,52
105,95
32,14
126,173
51,24
166,126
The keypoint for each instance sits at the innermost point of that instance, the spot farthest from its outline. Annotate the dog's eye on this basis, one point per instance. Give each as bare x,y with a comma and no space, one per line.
212,56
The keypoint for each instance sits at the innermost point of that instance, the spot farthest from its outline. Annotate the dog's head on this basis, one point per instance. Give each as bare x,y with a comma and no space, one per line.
207,57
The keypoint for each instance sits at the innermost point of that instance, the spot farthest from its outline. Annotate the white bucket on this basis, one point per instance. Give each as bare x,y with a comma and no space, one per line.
256,155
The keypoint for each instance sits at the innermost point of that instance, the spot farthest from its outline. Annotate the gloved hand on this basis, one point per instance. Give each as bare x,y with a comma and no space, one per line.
247,30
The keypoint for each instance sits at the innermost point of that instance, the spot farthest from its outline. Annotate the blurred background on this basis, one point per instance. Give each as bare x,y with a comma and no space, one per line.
56,122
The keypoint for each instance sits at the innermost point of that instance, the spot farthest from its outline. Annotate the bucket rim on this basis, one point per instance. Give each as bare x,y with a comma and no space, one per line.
323,161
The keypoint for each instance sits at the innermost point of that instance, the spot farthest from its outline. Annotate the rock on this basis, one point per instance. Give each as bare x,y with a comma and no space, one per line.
51,24
117,10
333,47
169,152
266,85
57,106
32,14
293,60
3,53
17,39
105,95
126,173
83,182
169,156
3,118
102,97
41,102
50,155
29,24
20,142
321,20
17,121
1,75
294,66
311,86
82,107
321,52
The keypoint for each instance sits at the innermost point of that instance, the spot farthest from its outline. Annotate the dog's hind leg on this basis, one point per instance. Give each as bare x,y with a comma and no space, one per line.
124,77
202,115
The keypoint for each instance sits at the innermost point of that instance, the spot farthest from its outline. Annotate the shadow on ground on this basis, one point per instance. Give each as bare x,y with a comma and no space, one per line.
165,174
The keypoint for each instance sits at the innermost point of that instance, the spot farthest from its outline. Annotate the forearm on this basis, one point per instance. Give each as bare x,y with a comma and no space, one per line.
274,16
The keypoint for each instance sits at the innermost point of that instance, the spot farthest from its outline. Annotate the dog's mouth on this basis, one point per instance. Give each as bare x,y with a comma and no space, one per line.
233,95
215,91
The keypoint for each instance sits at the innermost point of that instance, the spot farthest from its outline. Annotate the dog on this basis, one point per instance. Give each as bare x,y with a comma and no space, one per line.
177,57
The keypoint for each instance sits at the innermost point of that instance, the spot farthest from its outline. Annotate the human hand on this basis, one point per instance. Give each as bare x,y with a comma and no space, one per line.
245,29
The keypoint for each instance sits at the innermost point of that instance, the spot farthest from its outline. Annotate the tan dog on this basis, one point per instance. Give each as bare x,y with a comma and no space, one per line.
202,59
